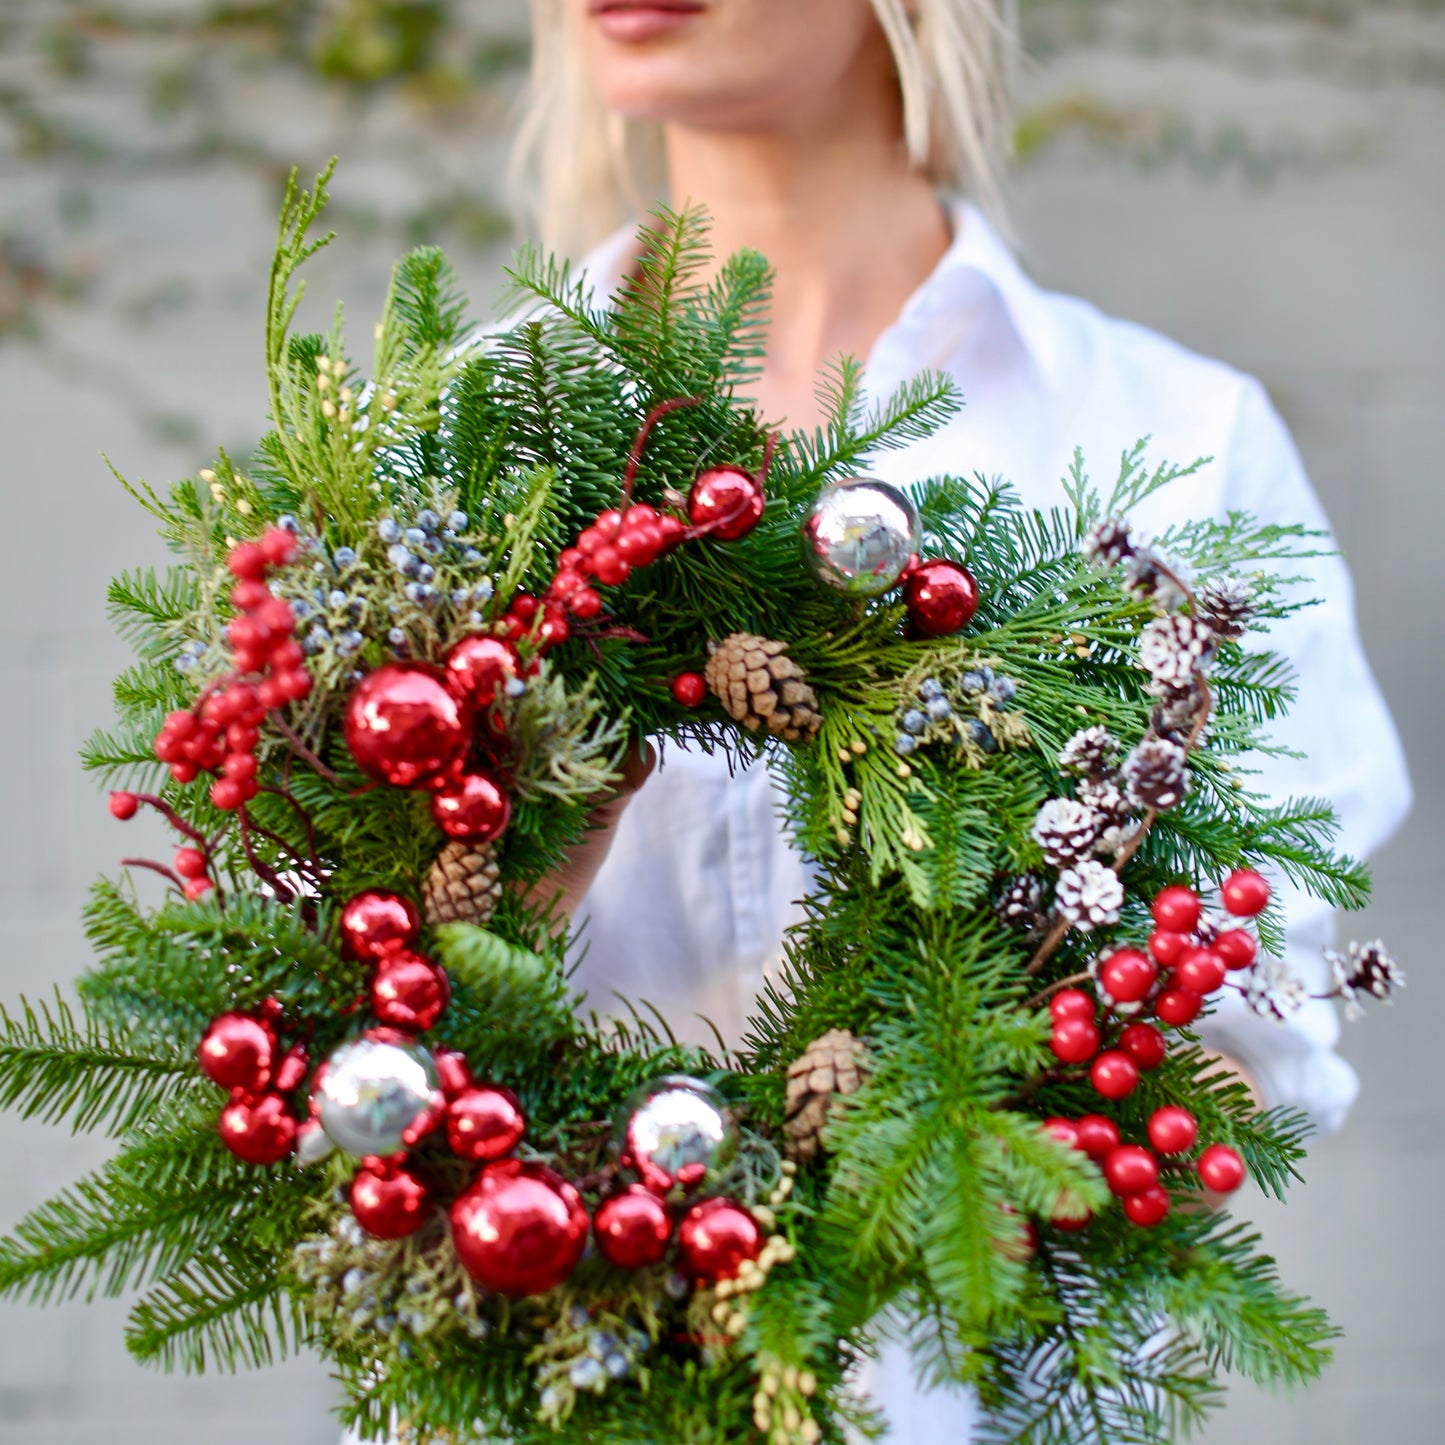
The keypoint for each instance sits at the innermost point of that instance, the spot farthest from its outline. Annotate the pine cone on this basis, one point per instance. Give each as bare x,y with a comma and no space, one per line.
1226,605
1172,649
833,1065
1089,895
1066,830
1022,904
1090,752
761,686
1108,543
463,886
1158,774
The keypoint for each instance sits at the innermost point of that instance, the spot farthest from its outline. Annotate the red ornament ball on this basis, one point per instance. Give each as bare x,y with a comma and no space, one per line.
1114,1074
1130,1168
715,1238
1236,947
376,923
520,1229
478,668
404,726
1097,1135
689,688
1178,1006
1144,1044
1201,970
124,806
1244,893
1065,1131
1221,1169
197,888
1071,1003
474,808
1127,975
390,1203
260,1131
1074,1040
485,1122
237,1052
632,1228
1176,909
1148,1207
1168,948
941,596
452,1071
409,991
726,500
1172,1129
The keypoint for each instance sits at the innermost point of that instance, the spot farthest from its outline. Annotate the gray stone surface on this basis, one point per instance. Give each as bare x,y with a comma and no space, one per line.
1265,182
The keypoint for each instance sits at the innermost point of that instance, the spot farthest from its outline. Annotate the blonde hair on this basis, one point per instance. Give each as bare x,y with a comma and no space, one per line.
579,170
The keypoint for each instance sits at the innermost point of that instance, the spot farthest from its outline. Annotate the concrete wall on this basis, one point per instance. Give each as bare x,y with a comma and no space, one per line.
1265,182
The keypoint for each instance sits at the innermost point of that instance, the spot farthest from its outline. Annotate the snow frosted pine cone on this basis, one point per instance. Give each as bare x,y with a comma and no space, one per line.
1226,605
1066,830
1022,904
762,687
1172,649
464,885
1158,774
1089,895
1090,752
831,1067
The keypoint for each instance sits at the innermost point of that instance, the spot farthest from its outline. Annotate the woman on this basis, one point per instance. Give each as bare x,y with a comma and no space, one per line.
836,137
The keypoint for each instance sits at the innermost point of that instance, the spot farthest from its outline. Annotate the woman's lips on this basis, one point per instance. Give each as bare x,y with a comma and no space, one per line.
632,21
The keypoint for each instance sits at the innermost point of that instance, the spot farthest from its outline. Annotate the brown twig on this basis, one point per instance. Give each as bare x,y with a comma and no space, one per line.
267,874
166,873
639,442
302,751
174,819
1045,993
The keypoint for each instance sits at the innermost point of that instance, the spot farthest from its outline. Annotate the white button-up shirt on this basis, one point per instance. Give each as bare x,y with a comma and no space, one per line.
689,909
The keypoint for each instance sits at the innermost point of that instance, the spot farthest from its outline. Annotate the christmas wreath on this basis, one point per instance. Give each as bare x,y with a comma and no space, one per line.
403,656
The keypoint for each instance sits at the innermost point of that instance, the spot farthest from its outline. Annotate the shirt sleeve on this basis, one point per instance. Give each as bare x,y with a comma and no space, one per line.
1347,752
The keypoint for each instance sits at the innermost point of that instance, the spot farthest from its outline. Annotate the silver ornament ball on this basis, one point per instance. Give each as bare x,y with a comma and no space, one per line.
860,535
676,1130
374,1091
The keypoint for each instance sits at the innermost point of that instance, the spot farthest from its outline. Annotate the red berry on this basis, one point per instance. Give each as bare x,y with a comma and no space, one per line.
1178,1006
227,794
1071,1003
569,559
184,772
240,767
1074,1040
554,630
1172,1129
1244,893
1097,1135
640,545
638,513
197,888
689,688
1236,947
278,546
564,584
241,737
190,863
294,684
287,655
247,561
1114,1074
609,523
247,634
1127,975
1064,1130
168,748
249,659
609,566
1168,947
272,693
1072,1222
588,541
672,529
1176,909
249,594
1221,1169
276,616
1148,1207
1201,970
1144,1044
1130,1168
124,806
524,606
179,724
585,603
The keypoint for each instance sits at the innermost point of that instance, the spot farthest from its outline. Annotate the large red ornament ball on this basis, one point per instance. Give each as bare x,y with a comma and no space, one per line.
1201,970
1244,893
1130,1168
632,1228
389,1204
260,1131
1176,909
1172,1129
404,726
941,596
473,808
1114,1074
1221,1169
485,1122
727,500
1127,975
478,668
409,991
520,1229
375,923
237,1052
1148,1207
715,1239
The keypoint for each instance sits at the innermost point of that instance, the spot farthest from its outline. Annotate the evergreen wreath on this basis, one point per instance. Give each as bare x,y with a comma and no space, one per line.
401,658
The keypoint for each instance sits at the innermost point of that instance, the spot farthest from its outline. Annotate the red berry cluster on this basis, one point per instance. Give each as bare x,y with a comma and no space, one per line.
219,734
242,1052
190,869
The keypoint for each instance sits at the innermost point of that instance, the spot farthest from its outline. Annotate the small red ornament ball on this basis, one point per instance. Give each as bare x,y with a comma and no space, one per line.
260,1131
1074,1040
1098,1135
1070,1003
1176,909
1148,1207
941,597
689,688
632,1228
237,1052
520,1229
1172,1129
456,1077
727,500
1236,947
1144,1044
1168,948
485,1122
404,726
376,923
124,806
478,668
1130,1168
1201,970
1178,1006
409,991
1127,975
715,1238
1114,1074
1244,893
473,808
389,1204
1221,1169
